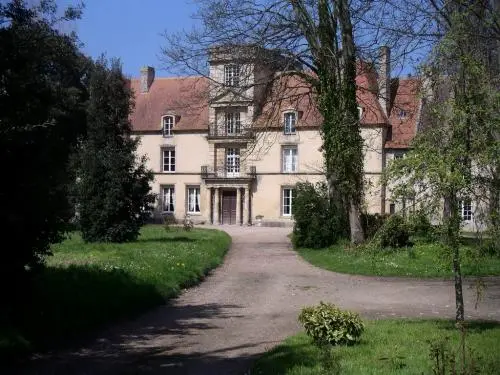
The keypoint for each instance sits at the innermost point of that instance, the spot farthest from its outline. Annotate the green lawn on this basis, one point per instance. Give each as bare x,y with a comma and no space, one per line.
387,347
88,285
421,260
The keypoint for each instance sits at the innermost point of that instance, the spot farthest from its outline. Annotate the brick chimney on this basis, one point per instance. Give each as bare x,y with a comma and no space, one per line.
147,78
384,79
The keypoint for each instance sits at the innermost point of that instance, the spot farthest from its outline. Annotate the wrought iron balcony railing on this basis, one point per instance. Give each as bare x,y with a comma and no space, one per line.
228,172
230,132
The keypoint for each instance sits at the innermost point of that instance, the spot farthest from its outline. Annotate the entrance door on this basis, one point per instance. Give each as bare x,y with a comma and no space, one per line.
229,207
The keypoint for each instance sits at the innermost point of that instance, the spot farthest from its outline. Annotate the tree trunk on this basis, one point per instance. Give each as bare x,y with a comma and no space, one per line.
459,298
452,223
357,233
494,202
351,115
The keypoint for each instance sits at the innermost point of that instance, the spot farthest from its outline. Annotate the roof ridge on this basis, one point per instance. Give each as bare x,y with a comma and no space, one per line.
172,78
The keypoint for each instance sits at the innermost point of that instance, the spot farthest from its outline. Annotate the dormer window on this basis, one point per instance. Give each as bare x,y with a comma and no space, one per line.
168,125
290,119
402,114
232,75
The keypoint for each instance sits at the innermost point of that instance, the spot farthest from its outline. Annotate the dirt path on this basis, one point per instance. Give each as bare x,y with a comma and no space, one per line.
247,306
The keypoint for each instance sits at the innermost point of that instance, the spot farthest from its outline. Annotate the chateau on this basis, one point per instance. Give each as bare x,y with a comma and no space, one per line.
229,148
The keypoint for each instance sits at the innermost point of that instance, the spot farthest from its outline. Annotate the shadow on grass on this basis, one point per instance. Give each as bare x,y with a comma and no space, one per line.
286,357
69,303
476,326
168,239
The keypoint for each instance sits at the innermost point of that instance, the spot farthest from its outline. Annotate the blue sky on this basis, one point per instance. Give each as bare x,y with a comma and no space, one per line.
130,29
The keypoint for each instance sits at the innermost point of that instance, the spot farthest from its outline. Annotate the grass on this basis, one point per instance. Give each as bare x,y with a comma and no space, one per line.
421,260
387,347
85,286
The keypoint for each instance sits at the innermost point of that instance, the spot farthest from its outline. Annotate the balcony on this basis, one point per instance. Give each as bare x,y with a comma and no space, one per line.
228,172
224,133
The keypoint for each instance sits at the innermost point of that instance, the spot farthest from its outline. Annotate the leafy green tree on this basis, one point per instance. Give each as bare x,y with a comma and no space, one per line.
456,155
42,113
113,185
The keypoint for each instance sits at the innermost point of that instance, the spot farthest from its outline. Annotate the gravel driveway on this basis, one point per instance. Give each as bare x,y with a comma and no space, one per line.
247,306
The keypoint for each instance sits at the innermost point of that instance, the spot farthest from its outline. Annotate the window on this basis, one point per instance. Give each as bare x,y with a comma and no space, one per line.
287,194
233,123
168,160
168,126
289,159
193,203
168,199
465,209
232,75
233,162
290,120
399,155
402,114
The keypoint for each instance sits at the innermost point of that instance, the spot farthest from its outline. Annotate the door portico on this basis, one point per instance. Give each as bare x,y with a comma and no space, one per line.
230,204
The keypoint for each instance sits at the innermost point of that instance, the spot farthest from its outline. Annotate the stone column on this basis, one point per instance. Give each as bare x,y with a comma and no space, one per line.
238,206
216,207
246,206
209,205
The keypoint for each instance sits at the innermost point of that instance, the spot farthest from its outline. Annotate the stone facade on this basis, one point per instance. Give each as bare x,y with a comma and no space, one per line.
223,157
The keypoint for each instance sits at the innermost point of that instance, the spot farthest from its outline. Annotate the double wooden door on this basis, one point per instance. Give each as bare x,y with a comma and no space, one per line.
229,206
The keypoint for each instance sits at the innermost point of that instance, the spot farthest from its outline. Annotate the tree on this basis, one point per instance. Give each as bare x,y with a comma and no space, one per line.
42,113
317,35
457,153
113,191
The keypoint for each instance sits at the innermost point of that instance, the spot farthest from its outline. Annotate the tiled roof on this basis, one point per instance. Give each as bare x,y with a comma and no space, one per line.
294,93
186,98
405,112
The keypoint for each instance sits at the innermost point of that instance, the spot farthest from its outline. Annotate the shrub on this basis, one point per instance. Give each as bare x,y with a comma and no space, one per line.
394,233
372,222
188,223
317,222
327,324
168,220
490,247
420,226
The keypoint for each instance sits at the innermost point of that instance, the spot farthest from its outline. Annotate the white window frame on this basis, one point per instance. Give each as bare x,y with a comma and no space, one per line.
232,122
193,200
465,210
289,126
168,194
289,157
233,162
232,73
167,125
286,201
168,162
